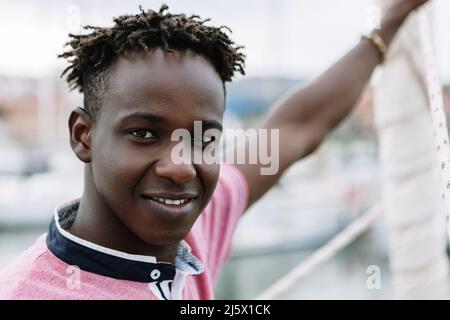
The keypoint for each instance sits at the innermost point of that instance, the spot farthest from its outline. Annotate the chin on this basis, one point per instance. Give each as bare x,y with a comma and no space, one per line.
164,237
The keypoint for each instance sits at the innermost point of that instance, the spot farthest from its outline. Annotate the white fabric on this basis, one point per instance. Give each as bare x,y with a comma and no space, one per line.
412,193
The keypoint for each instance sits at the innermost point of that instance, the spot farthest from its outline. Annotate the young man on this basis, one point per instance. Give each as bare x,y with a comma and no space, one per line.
147,227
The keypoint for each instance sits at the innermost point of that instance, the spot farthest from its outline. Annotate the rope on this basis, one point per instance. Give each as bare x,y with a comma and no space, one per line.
340,241
436,103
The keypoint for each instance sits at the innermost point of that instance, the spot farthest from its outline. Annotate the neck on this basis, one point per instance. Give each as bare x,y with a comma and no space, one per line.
96,222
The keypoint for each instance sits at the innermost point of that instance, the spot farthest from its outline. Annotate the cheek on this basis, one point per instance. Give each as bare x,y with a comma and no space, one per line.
209,175
117,168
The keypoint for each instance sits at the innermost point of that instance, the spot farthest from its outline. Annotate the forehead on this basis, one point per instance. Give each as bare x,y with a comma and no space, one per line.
178,84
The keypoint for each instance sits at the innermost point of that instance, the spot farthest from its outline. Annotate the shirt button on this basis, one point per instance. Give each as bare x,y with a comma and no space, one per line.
155,274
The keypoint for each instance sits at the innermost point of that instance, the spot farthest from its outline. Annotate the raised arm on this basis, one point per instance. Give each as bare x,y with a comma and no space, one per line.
306,116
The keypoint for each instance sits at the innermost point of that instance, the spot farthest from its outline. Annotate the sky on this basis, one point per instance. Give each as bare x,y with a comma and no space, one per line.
283,38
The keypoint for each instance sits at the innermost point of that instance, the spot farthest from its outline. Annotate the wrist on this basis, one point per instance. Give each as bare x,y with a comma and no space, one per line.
378,43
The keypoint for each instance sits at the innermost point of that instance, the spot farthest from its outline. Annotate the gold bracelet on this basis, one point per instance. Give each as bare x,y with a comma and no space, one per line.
378,42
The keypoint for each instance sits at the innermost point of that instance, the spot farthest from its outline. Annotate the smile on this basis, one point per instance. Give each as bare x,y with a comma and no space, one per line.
171,202
171,205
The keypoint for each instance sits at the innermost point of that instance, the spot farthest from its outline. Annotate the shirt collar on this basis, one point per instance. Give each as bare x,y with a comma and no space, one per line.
97,259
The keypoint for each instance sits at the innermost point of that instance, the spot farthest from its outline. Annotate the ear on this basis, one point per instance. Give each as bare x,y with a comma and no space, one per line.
80,128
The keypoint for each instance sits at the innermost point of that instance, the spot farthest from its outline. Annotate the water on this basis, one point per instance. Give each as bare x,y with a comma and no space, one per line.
345,276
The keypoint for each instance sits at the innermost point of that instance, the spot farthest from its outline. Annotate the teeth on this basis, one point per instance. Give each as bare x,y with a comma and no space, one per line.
175,202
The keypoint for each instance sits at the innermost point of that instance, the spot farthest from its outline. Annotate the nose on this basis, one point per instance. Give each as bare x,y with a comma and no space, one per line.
178,173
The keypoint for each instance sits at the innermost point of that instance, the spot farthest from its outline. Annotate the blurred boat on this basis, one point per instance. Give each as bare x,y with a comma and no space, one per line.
29,198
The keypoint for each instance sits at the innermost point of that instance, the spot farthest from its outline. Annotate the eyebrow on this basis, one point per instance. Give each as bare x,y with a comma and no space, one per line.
150,117
210,124
153,118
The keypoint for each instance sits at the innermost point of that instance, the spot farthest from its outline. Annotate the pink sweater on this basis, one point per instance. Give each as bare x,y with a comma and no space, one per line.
38,274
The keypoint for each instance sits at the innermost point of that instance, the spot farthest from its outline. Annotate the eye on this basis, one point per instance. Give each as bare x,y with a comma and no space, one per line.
142,134
207,139
203,140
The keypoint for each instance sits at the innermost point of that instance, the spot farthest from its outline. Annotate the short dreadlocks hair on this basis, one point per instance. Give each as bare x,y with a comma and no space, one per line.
91,55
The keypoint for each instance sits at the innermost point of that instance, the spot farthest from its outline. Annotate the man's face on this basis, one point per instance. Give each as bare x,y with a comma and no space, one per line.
151,95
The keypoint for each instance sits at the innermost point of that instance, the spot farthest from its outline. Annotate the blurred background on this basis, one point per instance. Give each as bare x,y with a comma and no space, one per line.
288,42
